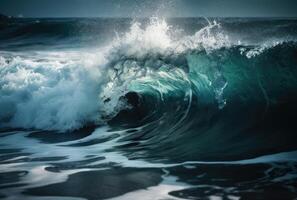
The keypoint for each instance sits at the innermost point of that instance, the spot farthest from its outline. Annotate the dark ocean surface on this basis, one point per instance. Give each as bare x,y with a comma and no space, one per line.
181,108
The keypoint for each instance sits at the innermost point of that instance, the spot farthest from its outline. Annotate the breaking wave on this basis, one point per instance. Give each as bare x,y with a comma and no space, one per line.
149,74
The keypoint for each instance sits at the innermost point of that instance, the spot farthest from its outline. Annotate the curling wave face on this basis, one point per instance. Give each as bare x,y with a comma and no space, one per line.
67,90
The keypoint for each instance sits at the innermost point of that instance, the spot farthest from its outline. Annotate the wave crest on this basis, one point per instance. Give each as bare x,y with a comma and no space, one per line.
68,90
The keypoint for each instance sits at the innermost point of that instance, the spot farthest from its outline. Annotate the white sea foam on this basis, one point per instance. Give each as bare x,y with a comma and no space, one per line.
59,91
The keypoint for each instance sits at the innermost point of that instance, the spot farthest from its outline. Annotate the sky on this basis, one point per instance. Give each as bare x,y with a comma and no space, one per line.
148,8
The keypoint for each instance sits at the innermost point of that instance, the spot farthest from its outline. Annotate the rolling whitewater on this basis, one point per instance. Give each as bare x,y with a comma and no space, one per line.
178,108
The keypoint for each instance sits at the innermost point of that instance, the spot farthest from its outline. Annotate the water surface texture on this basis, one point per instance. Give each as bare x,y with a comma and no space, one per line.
148,108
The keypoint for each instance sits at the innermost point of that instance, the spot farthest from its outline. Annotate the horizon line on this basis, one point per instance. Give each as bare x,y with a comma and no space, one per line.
119,17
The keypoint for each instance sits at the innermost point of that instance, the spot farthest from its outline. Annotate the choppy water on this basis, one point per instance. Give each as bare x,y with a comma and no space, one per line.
148,109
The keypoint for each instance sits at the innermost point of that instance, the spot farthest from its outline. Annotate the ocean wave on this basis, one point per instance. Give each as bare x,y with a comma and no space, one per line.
148,70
